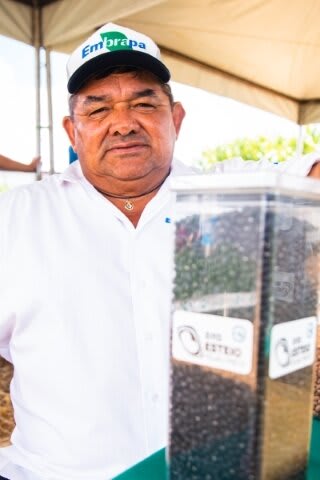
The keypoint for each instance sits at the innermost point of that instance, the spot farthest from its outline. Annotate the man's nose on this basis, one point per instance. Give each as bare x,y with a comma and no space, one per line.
123,121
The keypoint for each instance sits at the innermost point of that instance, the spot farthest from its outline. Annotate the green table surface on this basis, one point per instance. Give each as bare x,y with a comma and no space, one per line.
154,467
314,460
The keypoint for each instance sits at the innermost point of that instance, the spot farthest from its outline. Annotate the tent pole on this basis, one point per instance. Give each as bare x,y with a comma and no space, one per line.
50,116
38,107
300,141
36,42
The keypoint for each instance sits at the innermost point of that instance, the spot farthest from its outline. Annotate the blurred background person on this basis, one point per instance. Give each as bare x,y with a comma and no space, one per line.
7,163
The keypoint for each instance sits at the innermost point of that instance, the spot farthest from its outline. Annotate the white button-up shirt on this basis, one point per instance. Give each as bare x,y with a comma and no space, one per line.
84,317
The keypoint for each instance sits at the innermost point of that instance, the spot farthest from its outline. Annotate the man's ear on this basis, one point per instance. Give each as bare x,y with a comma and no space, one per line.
178,114
68,125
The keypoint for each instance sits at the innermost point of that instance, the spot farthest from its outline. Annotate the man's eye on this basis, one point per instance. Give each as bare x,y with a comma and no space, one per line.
144,106
98,111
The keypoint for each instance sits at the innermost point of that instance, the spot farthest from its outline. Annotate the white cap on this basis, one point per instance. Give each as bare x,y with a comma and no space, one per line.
113,46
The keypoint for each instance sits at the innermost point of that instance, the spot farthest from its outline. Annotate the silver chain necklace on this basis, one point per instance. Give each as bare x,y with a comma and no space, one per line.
128,204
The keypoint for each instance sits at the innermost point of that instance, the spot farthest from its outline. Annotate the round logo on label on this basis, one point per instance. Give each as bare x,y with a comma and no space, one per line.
282,352
310,330
239,334
189,339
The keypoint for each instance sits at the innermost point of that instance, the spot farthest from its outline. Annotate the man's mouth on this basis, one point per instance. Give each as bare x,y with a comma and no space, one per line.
127,147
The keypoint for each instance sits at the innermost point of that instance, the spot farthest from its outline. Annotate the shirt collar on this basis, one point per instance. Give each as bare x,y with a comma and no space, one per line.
72,173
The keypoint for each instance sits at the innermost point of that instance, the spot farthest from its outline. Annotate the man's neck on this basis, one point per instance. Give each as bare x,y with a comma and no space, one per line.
133,205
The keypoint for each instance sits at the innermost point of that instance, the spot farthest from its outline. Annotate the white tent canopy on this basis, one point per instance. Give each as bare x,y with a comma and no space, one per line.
265,53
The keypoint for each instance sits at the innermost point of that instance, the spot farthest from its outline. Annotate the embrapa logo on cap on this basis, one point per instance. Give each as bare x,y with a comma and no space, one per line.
112,41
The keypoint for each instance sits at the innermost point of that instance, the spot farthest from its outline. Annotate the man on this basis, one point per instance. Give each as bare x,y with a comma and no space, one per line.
86,273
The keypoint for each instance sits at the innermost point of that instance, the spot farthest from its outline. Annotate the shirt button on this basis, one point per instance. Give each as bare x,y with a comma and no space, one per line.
148,336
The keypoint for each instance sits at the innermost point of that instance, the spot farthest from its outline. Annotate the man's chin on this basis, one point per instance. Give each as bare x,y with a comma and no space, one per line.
129,169
130,176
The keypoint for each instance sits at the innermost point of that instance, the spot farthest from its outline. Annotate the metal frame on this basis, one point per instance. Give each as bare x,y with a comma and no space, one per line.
37,41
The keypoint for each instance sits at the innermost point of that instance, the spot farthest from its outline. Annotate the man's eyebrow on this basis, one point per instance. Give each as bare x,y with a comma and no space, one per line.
95,99
147,92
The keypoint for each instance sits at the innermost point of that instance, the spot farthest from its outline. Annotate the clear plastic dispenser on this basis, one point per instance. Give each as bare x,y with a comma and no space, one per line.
244,326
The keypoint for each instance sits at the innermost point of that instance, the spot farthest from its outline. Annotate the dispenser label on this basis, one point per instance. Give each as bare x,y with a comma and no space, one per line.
292,346
225,343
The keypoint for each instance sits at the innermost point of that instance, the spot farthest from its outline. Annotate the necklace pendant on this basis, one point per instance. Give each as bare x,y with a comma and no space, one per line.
128,205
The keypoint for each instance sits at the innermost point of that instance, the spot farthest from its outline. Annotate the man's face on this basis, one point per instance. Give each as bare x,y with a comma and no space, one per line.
124,129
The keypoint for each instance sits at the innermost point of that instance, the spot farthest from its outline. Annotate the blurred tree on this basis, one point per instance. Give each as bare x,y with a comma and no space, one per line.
276,149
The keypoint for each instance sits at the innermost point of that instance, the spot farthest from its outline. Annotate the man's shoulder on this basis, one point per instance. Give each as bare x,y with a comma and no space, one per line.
48,185
29,189
33,197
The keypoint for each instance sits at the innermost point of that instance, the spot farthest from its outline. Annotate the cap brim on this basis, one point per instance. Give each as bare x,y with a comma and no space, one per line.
115,59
